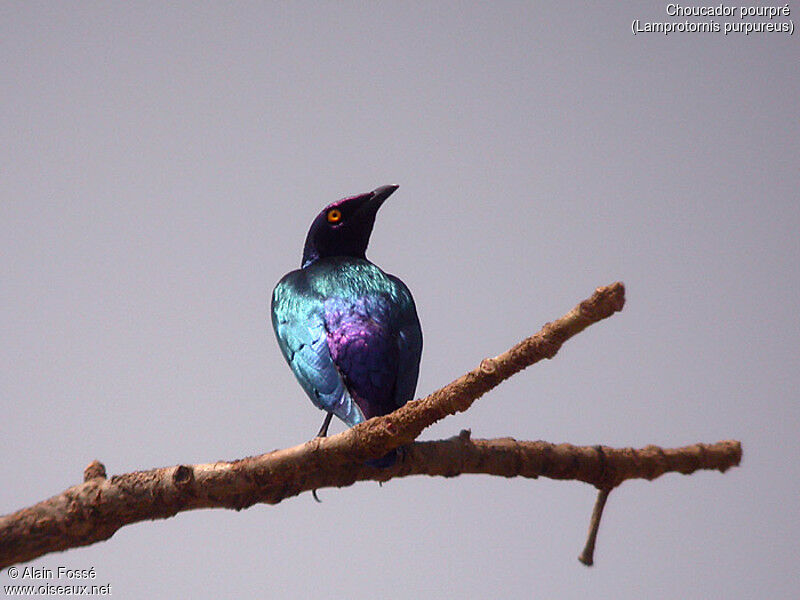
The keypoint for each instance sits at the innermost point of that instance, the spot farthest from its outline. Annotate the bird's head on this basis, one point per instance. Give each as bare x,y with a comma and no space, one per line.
343,228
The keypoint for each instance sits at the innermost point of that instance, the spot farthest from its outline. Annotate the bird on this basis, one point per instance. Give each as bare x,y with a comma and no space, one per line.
349,331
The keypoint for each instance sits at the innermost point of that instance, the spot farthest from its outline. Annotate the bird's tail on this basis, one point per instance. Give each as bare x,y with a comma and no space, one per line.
384,462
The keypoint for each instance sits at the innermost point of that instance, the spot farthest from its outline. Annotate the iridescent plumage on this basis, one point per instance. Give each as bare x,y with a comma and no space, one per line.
348,330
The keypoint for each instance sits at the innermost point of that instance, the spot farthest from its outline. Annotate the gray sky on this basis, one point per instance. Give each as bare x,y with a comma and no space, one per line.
161,165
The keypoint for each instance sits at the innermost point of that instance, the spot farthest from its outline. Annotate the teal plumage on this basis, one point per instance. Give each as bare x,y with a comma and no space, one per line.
349,331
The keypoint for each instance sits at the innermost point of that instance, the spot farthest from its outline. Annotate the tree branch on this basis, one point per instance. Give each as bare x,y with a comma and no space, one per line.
377,436
93,511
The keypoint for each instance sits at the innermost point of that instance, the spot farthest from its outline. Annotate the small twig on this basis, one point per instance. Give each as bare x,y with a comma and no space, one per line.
587,556
94,470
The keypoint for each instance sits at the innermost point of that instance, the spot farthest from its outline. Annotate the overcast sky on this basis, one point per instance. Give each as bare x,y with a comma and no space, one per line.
160,164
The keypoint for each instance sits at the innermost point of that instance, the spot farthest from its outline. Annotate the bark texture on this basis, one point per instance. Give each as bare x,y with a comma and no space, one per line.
94,510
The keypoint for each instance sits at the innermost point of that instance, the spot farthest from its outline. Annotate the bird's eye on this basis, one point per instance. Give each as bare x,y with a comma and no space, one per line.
334,215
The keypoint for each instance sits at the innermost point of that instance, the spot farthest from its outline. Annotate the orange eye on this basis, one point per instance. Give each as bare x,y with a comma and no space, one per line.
334,215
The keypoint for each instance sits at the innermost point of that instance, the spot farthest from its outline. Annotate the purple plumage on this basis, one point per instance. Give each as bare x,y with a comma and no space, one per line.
348,330
364,349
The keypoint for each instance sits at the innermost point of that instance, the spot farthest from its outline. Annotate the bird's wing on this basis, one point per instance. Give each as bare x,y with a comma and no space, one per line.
298,319
362,341
409,342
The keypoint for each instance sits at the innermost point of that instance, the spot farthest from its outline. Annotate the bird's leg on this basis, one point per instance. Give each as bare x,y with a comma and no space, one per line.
323,432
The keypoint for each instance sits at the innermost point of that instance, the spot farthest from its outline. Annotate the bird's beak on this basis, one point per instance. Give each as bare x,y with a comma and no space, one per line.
380,194
368,204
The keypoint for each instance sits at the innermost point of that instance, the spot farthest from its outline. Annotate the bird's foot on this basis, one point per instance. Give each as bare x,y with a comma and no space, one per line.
323,432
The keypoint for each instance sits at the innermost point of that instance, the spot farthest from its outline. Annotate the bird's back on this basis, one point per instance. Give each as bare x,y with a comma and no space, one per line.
350,333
